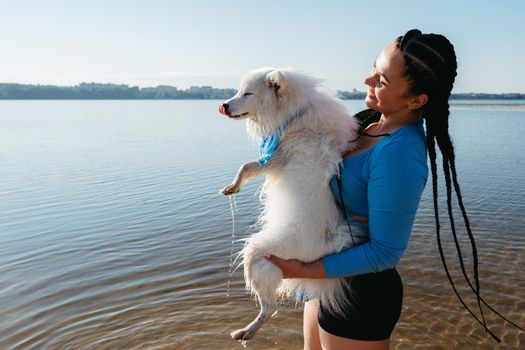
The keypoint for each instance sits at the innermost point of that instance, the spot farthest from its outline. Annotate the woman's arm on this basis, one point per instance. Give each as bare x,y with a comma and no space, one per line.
398,173
397,178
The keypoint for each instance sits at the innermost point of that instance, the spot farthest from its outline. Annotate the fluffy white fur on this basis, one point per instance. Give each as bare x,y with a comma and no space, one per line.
300,219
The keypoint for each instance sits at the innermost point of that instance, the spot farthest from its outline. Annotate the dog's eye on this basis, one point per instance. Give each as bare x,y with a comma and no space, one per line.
248,93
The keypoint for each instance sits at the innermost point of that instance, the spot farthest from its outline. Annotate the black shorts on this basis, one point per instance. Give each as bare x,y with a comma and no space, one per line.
376,300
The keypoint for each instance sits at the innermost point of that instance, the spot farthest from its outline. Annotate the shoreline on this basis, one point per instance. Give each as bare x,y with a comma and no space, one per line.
456,102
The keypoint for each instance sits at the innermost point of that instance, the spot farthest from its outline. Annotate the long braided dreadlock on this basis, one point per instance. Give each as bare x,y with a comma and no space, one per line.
430,68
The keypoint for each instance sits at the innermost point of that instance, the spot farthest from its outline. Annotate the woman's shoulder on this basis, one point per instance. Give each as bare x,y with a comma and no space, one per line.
406,141
405,134
367,117
412,134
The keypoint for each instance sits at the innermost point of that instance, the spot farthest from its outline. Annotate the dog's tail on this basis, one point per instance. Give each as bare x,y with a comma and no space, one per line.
334,294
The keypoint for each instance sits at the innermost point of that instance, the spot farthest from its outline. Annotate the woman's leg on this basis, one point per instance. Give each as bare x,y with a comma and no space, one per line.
376,302
311,325
333,342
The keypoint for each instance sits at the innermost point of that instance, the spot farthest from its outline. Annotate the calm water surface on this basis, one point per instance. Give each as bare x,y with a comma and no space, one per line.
113,234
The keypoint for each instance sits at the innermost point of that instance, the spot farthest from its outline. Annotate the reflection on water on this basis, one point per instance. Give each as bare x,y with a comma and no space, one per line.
114,236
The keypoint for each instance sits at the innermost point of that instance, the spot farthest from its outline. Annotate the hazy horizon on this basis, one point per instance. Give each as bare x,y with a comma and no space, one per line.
231,87
214,43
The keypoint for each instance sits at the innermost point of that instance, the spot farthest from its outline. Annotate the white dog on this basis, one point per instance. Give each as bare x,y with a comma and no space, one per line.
303,132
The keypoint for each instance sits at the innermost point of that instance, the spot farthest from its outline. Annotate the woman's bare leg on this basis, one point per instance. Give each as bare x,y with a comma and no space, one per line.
333,342
311,325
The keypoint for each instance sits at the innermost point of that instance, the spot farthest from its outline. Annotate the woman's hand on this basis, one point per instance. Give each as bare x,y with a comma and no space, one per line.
293,268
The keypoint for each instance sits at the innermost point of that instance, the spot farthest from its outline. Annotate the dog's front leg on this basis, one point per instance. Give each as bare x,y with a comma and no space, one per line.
246,172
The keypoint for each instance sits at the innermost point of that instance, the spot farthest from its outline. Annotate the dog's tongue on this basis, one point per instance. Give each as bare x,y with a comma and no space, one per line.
221,110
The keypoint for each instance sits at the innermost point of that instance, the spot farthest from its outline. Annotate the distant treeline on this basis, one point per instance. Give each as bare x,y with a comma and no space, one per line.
96,91
359,95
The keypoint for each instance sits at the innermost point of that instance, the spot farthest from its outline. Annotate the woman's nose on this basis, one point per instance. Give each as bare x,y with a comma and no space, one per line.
369,80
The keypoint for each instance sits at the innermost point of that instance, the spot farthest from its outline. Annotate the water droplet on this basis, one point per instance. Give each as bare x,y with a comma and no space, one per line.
233,207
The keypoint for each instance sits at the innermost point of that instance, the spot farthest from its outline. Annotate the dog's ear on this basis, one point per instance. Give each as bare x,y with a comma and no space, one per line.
276,80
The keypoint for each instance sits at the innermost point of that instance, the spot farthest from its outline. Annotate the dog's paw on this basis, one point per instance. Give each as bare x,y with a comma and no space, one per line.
243,334
229,190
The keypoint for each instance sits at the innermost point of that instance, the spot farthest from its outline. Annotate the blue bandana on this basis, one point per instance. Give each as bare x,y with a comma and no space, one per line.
268,144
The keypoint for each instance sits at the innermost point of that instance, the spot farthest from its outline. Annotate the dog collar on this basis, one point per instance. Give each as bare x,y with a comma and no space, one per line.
269,144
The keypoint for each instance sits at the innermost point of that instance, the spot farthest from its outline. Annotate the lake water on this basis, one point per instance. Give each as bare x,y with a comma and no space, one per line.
113,234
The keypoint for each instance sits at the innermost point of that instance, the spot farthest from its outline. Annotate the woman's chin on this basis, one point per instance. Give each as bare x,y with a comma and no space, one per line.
370,103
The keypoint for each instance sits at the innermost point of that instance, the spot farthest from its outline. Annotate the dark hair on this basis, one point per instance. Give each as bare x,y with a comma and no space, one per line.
430,68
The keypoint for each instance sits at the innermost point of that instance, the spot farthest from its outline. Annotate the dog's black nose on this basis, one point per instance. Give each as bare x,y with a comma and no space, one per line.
225,105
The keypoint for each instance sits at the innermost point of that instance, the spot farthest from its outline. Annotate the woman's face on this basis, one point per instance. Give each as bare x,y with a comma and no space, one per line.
387,88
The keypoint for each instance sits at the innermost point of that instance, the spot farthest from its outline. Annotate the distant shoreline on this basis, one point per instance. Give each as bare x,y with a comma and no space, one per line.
97,91
452,101
457,101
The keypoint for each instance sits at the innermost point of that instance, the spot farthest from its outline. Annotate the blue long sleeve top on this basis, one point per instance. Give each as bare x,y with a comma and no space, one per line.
385,184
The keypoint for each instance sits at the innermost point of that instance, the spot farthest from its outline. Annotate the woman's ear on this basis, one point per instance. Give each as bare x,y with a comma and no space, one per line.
417,101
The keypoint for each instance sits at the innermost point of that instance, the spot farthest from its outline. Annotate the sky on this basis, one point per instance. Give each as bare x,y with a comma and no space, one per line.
214,42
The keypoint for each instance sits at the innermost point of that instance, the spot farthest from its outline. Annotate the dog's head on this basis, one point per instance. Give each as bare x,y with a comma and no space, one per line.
258,89
267,96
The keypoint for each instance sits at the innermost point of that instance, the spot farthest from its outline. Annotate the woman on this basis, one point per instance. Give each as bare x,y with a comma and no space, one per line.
380,188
